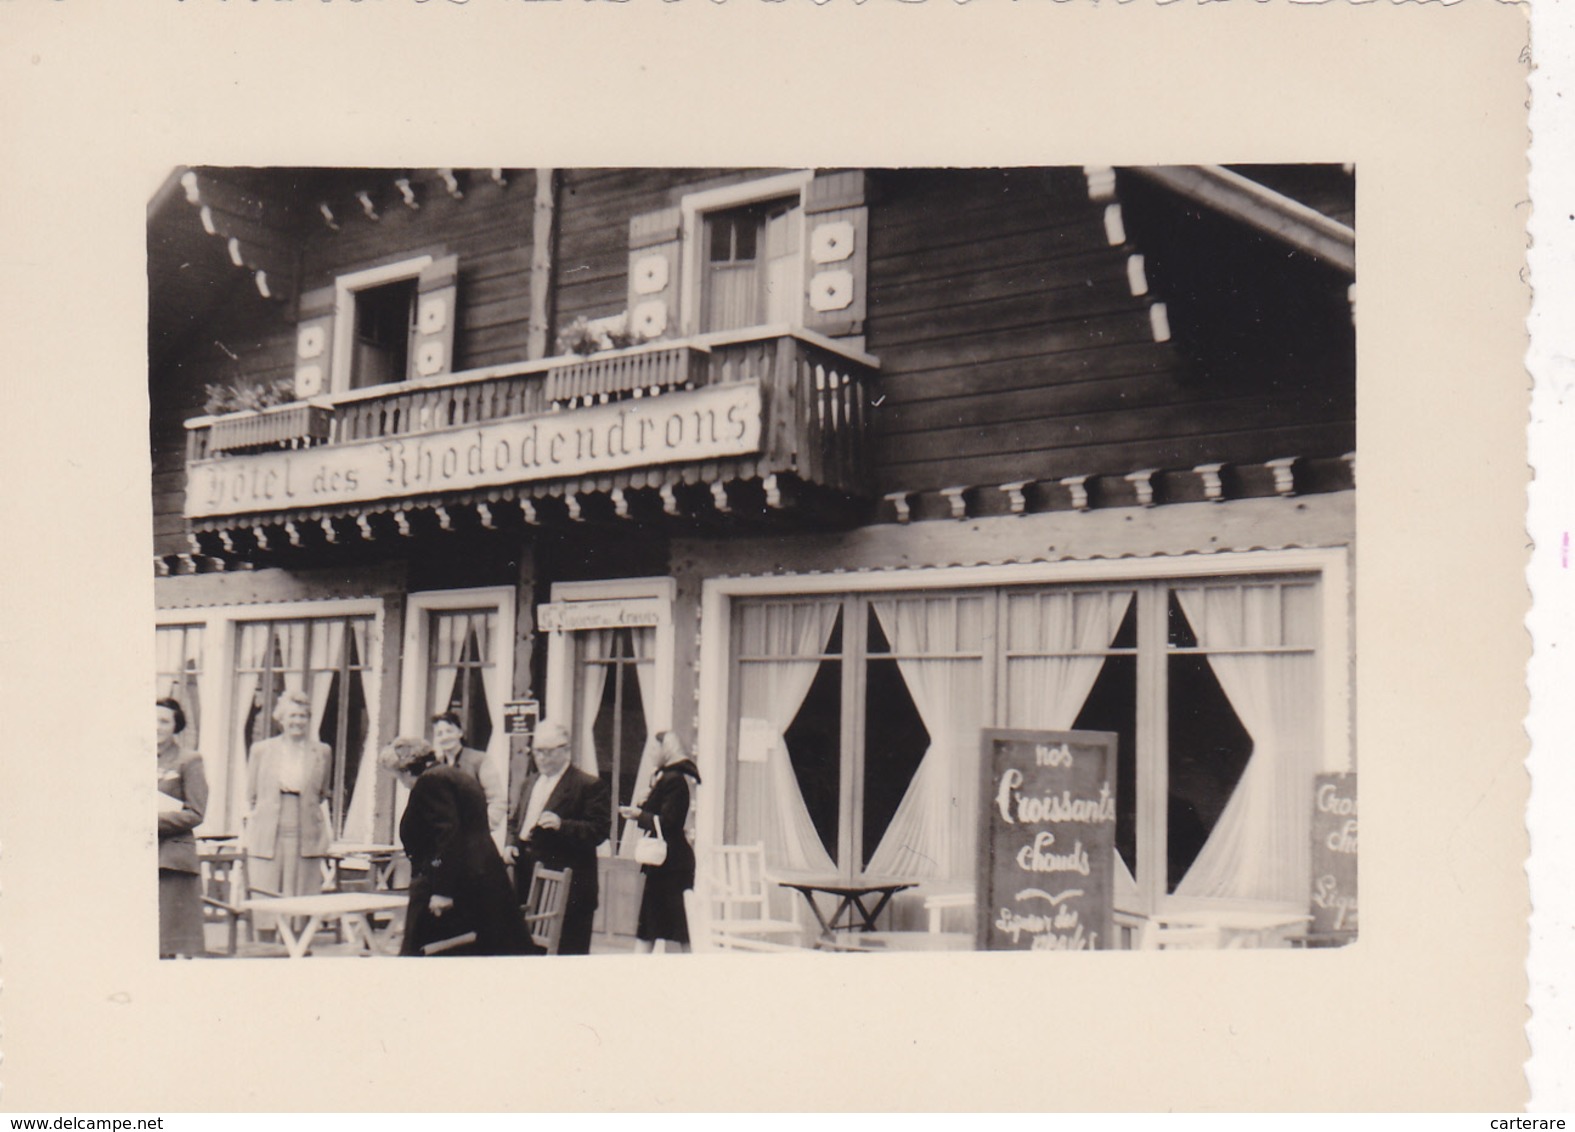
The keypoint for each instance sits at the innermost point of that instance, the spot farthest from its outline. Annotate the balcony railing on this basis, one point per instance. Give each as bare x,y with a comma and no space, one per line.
813,393
298,425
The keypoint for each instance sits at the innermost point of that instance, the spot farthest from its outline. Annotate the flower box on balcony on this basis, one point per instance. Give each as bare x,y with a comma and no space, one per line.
631,372
299,425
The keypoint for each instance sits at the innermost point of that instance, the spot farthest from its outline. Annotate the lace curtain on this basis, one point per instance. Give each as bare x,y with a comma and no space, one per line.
933,832
359,814
1048,692
596,645
1258,849
788,638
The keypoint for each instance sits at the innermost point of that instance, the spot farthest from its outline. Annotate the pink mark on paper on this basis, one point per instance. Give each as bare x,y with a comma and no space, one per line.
1564,554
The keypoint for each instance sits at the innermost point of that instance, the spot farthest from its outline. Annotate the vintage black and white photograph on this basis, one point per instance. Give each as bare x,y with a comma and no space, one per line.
679,547
566,561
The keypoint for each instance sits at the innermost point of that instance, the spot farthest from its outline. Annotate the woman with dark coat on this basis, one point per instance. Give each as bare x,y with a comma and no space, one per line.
183,796
662,906
458,883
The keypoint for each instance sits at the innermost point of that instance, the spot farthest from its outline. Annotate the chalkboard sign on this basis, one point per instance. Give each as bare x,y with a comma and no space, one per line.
1047,832
1333,901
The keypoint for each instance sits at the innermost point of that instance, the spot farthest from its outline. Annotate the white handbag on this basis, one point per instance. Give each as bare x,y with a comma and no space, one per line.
652,848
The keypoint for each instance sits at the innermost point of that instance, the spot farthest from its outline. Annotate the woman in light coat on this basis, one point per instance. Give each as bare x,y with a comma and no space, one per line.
289,778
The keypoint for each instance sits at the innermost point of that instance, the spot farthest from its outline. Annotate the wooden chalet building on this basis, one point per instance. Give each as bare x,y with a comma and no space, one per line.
892,455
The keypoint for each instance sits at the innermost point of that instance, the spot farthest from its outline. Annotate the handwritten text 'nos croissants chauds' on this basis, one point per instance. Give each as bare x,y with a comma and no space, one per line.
1060,929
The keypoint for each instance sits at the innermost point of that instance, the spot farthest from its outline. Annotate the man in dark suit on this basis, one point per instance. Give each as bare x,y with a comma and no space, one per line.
558,816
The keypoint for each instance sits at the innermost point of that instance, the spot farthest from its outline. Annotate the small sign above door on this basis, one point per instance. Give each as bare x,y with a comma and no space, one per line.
621,613
520,717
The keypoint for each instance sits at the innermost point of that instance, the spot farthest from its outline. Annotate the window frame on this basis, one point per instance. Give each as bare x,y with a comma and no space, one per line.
695,207
226,768
346,288
1330,566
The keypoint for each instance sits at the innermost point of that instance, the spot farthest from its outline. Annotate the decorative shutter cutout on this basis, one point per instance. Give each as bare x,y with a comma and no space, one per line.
836,244
654,259
432,346
314,342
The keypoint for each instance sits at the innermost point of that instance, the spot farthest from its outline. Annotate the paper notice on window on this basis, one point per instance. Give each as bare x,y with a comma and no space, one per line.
756,737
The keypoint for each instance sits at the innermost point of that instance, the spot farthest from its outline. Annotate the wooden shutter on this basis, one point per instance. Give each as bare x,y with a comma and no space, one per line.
836,239
314,343
781,260
654,261
432,336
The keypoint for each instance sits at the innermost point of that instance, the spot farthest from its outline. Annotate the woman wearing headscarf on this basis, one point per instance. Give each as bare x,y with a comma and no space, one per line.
666,809
183,796
459,885
288,779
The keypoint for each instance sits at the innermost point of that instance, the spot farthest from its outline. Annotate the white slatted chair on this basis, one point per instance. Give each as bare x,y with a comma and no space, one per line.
708,935
937,903
738,889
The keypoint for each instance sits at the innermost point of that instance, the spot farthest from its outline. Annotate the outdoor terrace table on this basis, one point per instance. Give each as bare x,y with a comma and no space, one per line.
349,908
850,899
380,859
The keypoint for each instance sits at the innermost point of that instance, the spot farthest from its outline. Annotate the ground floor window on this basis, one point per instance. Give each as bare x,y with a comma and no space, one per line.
178,657
855,719
462,670
329,660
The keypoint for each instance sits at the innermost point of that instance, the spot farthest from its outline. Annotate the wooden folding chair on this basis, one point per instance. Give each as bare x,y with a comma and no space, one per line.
545,906
707,934
736,886
226,886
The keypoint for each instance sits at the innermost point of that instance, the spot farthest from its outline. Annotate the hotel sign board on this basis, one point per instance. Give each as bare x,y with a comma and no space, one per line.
701,424
1333,896
617,613
1047,841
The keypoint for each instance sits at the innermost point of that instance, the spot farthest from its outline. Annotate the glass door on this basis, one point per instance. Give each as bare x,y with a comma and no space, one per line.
615,670
459,657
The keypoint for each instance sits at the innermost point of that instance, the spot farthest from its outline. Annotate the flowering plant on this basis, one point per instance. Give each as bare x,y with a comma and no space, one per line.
592,335
243,394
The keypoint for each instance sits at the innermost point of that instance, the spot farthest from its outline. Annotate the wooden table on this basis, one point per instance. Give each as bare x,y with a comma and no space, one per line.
850,897
380,859
350,909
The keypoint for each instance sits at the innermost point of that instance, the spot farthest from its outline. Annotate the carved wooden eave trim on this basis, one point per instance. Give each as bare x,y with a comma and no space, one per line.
1285,478
774,501
1275,214
252,240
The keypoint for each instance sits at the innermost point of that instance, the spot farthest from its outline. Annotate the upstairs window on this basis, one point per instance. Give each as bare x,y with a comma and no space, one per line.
377,326
384,323
752,268
786,250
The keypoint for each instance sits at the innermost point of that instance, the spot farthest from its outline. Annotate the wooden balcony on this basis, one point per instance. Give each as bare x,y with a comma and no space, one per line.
298,425
790,404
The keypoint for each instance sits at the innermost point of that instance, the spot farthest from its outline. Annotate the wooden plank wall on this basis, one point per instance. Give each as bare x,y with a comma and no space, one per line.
248,337
489,229
594,208
1012,348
